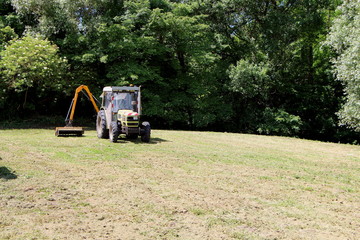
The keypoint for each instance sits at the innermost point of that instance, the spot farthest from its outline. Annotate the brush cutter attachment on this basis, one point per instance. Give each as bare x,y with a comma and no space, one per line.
69,131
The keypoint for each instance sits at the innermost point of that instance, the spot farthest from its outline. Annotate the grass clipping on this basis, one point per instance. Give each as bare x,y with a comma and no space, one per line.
182,185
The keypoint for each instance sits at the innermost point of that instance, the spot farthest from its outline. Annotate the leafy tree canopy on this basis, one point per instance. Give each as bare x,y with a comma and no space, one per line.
344,38
32,63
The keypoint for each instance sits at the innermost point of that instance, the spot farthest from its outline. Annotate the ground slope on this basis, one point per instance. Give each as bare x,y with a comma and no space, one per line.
183,185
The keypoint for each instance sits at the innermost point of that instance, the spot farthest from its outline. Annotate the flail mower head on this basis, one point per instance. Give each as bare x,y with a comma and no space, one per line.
69,131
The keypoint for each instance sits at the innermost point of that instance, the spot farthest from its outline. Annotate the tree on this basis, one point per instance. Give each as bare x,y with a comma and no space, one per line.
32,66
344,38
168,49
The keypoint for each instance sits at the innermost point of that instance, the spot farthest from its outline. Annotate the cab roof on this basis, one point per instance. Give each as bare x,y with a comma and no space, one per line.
121,89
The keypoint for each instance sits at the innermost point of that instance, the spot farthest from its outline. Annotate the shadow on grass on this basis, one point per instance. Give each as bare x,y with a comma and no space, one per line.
5,173
154,141
69,135
138,140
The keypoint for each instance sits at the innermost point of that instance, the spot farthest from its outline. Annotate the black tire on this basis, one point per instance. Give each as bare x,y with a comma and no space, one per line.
101,125
114,132
145,137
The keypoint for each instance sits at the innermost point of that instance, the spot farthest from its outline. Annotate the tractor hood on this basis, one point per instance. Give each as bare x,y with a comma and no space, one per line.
128,118
128,113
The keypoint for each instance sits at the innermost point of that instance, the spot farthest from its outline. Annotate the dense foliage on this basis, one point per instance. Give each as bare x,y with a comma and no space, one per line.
30,62
345,39
226,65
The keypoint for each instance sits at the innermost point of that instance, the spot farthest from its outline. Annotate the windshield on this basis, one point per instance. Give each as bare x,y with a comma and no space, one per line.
124,101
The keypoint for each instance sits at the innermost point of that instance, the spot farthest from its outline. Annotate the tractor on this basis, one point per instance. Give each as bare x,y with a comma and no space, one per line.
120,113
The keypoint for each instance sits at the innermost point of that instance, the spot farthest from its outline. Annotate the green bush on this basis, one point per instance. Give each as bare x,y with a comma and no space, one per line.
279,122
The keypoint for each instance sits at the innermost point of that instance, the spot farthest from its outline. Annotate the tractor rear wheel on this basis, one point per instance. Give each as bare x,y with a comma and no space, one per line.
101,125
145,137
114,132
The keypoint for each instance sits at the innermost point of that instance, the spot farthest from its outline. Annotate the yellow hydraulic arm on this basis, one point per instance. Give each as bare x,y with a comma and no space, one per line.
74,101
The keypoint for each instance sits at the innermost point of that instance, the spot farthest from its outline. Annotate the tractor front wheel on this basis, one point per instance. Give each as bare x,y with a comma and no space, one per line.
145,137
114,132
101,125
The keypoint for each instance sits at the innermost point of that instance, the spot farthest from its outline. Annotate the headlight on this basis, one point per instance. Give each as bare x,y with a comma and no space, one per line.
135,118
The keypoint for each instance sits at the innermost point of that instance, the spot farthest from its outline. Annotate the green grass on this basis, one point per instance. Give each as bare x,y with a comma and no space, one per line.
182,185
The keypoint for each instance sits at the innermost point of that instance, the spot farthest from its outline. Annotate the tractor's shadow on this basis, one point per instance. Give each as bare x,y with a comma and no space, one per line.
6,174
138,141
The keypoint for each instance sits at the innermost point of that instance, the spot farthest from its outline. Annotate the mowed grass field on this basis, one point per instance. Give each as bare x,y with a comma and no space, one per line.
182,185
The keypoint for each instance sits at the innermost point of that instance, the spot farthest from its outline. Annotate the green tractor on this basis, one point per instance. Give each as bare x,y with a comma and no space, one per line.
120,114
